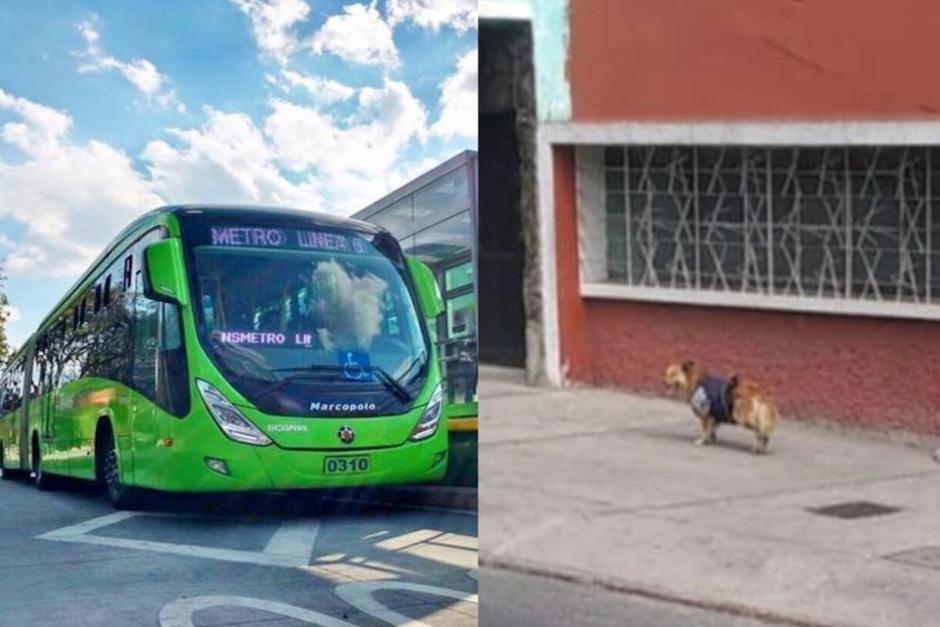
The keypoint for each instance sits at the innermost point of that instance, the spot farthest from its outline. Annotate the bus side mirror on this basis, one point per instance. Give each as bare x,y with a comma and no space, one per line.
429,293
164,278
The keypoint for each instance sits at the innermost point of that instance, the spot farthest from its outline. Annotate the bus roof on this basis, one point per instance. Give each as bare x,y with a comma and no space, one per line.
246,213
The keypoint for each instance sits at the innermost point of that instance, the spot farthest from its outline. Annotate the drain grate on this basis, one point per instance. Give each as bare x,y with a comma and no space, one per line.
925,556
851,510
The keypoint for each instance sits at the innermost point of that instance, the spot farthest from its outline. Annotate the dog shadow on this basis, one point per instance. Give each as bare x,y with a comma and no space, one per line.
689,438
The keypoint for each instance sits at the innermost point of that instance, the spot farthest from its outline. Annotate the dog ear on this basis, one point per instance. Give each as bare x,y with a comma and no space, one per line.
733,381
688,364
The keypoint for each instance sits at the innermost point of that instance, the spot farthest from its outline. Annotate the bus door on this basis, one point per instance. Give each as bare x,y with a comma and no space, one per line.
46,413
29,392
15,401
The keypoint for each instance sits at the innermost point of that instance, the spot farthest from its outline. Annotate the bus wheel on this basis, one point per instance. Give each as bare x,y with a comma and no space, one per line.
122,496
44,481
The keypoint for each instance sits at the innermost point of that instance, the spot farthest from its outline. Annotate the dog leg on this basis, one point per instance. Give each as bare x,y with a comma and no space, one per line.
708,431
703,437
760,446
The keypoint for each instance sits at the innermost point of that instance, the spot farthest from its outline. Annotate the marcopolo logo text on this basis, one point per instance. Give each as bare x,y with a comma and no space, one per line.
344,407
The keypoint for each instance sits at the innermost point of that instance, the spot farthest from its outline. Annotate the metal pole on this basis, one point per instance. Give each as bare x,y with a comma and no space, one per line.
929,208
696,237
848,225
768,172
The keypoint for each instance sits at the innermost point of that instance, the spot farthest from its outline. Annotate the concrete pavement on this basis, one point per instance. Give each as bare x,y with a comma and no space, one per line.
604,487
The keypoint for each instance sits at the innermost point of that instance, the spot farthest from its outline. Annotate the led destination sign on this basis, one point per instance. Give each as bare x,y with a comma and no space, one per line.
287,238
263,338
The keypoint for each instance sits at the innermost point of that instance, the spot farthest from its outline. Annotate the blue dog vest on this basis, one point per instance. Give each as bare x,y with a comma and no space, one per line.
713,397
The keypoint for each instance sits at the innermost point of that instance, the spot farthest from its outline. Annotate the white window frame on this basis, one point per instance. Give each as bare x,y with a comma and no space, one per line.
590,138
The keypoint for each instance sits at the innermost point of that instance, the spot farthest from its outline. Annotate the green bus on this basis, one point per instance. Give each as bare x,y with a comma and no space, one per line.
213,349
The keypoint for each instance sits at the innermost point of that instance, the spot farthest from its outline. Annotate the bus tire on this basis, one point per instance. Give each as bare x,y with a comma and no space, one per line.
43,480
108,464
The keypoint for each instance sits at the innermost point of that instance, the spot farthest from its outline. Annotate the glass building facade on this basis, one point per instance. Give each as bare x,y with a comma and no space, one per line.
435,219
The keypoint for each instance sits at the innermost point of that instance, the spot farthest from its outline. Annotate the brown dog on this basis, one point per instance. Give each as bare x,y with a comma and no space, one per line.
715,401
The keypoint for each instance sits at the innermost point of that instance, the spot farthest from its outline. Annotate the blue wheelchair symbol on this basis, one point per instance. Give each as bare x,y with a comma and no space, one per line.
355,365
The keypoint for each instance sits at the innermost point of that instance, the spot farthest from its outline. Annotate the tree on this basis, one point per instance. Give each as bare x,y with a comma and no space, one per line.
5,349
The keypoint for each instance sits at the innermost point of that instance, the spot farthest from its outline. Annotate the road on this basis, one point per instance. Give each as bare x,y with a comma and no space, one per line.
67,558
524,600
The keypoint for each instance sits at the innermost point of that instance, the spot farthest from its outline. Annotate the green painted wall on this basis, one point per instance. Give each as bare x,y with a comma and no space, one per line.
550,33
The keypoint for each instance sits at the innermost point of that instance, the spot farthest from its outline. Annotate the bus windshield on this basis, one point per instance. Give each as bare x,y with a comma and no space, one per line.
295,317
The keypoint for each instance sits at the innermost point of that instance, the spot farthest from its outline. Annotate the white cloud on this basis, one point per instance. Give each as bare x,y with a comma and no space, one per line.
368,142
433,14
459,101
358,158
271,24
60,191
226,160
321,89
358,35
70,198
12,313
141,73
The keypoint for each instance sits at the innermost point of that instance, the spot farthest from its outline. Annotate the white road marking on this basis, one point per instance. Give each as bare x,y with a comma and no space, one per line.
188,550
289,547
294,539
360,596
412,538
180,613
80,529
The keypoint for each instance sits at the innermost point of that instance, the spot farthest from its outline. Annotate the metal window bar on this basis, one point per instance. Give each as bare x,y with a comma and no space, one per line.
929,232
892,253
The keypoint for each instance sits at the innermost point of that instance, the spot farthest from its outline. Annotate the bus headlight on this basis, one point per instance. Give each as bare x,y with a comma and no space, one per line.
233,423
431,418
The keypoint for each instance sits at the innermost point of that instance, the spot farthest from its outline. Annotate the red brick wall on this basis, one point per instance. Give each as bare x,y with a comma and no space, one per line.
866,371
753,58
860,370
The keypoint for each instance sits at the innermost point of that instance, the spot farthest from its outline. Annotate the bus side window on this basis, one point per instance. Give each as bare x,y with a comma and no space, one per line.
170,329
3,396
144,375
128,271
16,387
36,375
172,368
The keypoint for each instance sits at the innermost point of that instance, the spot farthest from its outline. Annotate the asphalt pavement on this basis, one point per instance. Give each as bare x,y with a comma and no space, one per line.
343,559
524,600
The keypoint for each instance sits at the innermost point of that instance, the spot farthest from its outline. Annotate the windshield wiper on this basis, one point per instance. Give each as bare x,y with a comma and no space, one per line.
422,356
391,383
301,372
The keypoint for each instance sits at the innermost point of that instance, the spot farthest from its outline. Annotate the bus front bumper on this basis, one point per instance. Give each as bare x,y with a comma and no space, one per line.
245,468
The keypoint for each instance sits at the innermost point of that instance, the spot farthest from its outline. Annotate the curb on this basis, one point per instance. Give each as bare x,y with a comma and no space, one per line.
443,497
575,576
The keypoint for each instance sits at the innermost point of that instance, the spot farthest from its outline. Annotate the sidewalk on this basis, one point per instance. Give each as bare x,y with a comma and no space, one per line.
608,488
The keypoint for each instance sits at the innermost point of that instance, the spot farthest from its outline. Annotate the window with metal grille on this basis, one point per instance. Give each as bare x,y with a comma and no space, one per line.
835,224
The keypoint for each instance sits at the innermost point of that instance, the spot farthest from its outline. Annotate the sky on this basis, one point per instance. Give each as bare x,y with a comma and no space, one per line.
110,108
